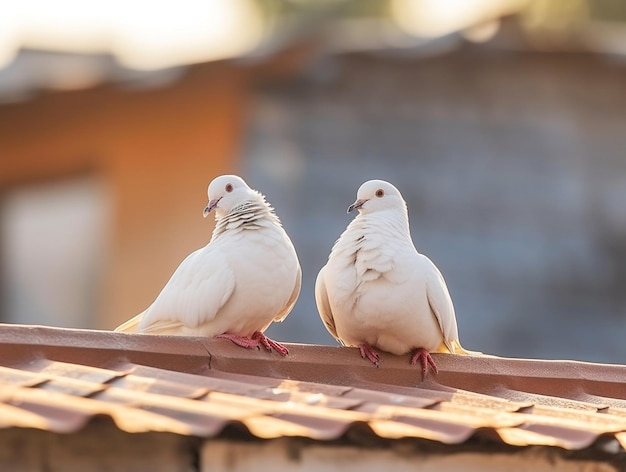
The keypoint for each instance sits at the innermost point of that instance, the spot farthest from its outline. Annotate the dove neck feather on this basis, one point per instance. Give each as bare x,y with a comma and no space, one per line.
250,215
370,230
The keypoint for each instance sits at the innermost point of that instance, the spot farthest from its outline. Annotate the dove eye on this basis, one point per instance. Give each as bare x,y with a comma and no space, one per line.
229,188
380,193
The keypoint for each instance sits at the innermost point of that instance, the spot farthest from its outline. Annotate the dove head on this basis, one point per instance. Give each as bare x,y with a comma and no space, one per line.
377,195
226,192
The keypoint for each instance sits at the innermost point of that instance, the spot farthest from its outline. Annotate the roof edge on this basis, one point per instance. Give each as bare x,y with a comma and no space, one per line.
305,362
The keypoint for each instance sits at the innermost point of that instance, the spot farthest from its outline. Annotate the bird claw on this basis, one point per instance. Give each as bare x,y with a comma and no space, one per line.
269,344
368,352
426,360
242,341
257,340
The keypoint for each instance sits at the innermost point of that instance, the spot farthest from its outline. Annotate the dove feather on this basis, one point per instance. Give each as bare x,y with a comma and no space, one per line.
292,299
195,292
321,299
130,326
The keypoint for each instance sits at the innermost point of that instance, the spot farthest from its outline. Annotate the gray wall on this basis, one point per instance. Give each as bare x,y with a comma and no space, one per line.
513,167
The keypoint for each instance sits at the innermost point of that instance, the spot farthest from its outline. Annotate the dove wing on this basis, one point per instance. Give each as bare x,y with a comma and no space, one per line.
282,314
323,305
200,286
441,305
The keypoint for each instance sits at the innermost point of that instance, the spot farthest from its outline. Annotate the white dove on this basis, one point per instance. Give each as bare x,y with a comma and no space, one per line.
245,278
377,291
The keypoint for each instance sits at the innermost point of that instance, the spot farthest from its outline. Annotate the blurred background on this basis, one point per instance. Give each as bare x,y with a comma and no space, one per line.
502,122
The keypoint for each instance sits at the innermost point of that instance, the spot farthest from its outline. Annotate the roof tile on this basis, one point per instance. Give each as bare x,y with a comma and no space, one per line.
162,387
20,378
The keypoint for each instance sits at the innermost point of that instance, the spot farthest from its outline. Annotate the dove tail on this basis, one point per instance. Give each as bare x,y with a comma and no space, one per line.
454,347
131,325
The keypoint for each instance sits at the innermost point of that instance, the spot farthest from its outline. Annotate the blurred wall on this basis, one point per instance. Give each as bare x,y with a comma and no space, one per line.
154,150
513,168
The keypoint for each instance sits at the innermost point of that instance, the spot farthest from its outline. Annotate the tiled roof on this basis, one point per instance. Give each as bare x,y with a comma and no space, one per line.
58,380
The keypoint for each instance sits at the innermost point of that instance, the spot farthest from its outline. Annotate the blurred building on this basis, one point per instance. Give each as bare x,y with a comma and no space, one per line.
503,127
103,191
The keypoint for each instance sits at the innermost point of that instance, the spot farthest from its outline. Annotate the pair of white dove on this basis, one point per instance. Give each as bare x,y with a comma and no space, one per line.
375,292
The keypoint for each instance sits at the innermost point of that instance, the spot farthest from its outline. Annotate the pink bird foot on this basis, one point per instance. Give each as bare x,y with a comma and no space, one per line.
426,359
269,344
368,352
242,341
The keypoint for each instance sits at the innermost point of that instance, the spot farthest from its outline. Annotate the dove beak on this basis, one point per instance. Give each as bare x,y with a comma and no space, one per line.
211,206
356,205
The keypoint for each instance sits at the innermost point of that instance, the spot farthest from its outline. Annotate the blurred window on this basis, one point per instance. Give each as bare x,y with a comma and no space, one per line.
53,237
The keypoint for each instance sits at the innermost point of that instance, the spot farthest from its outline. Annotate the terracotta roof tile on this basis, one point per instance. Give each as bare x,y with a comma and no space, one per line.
58,380
20,378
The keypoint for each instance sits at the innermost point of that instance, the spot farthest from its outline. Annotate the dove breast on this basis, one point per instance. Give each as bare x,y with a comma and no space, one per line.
265,270
377,292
